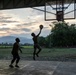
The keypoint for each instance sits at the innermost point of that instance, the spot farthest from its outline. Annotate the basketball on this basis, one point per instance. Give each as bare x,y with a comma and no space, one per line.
41,26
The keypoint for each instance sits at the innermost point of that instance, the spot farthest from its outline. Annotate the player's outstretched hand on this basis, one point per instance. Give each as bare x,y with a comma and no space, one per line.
41,27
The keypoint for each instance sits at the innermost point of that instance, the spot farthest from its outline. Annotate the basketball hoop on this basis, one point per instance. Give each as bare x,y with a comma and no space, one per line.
59,16
60,13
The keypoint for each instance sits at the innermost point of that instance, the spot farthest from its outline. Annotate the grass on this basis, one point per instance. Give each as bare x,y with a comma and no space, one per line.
28,47
28,52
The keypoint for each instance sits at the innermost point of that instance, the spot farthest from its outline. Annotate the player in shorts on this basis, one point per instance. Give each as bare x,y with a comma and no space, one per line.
36,45
15,50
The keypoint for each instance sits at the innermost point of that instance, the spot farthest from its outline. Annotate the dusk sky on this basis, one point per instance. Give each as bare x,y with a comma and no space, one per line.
22,22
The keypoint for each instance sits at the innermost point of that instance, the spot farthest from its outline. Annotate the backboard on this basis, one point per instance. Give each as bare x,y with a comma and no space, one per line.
60,10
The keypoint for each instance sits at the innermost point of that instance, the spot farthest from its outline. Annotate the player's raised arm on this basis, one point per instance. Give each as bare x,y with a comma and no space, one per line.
41,27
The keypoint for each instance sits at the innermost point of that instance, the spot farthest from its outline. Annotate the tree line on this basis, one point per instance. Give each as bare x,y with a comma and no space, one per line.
61,35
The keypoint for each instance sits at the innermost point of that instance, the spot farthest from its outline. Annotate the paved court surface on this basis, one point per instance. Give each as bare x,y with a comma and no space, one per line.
38,68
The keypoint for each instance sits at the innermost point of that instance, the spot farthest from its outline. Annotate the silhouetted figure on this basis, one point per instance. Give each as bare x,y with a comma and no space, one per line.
36,45
15,53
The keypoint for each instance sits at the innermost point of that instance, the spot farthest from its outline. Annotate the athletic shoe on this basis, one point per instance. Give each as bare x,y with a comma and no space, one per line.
11,66
33,58
17,66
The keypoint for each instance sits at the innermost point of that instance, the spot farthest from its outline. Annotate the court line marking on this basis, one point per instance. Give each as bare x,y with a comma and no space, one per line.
56,67
24,66
19,69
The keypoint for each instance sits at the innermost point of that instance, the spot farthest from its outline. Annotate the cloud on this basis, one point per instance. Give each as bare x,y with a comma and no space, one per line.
3,24
8,21
1,17
6,18
26,30
26,24
36,11
4,29
23,22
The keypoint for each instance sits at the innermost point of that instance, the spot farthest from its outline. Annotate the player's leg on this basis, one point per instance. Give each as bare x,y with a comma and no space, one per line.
39,50
12,61
17,60
34,52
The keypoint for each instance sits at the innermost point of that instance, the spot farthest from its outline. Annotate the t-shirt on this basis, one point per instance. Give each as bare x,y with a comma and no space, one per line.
35,39
15,47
